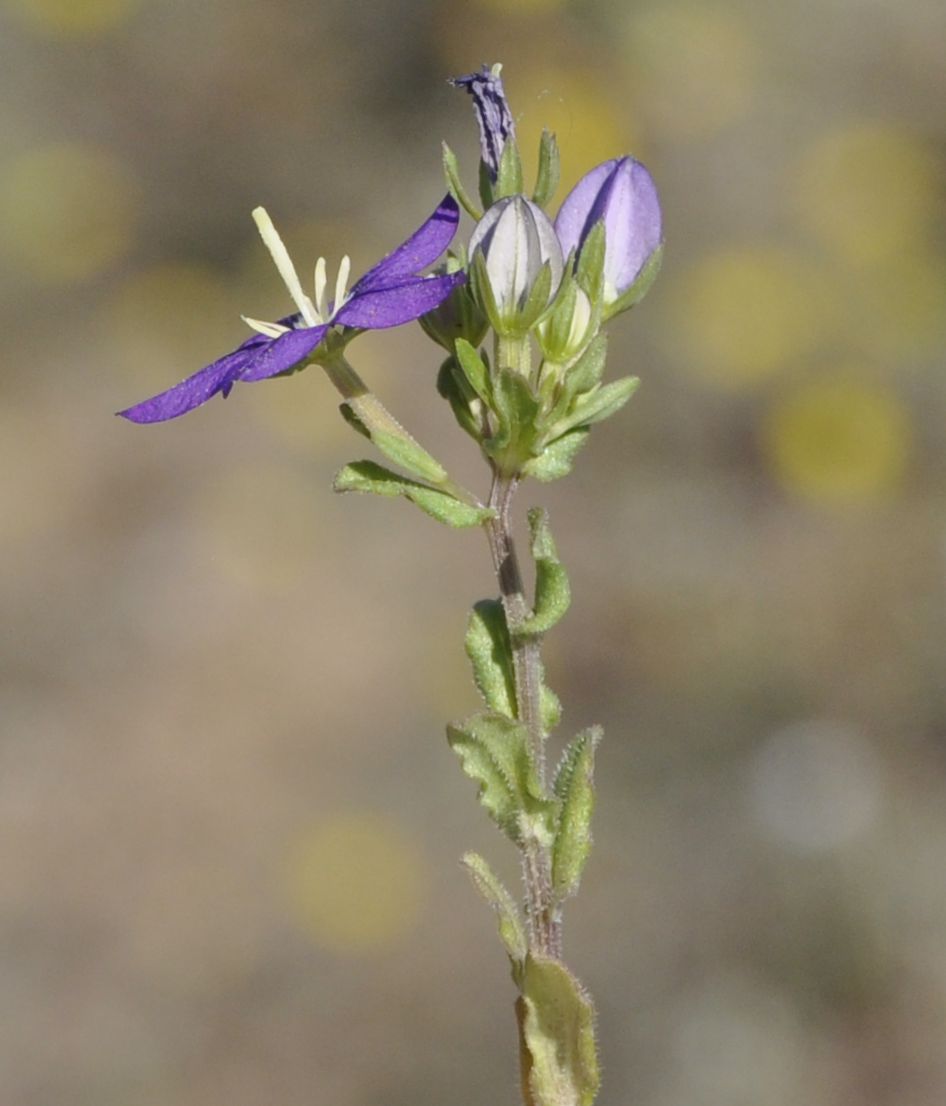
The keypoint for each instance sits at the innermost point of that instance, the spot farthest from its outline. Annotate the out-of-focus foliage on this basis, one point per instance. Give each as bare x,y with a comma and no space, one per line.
217,677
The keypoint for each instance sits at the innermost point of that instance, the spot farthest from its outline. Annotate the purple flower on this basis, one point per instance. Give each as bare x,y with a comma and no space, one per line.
492,113
388,295
621,193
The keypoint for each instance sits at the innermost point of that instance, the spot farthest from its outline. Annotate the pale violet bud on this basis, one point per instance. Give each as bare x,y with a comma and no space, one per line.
621,194
515,249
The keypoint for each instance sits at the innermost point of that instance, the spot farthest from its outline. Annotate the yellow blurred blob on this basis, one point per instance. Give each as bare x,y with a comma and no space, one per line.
72,17
357,882
738,316
868,191
168,321
576,109
697,65
67,212
839,441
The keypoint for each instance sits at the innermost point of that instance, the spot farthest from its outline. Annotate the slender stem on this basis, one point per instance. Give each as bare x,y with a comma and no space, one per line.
544,919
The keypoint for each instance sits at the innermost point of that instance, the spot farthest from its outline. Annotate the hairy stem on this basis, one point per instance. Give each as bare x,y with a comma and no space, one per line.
544,921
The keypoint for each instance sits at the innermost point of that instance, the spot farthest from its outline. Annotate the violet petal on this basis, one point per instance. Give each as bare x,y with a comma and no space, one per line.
378,308
190,393
280,354
492,114
423,248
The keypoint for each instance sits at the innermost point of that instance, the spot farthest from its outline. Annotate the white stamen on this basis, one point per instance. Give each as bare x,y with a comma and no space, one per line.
320,282
284,264
341,283
268,330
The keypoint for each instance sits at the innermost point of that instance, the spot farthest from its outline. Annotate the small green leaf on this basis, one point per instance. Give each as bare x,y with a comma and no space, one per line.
640,287
547,179
555,461
511,930
413,458
490,653
451,171
558,1032
494,751
537,301
517,409
550,708
453,386
552,590
574,788
509,177
587,371
474,368
374,479
599,404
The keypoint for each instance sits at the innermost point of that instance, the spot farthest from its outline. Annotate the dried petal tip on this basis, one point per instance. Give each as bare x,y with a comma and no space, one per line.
492,113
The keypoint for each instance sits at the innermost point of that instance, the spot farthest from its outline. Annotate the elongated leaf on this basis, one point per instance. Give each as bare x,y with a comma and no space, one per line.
511,930
556,460
547,179
490,653
474,368
552,589
558,1032
599,404
494,752
517,408
374,479
574,788
451,171
453,386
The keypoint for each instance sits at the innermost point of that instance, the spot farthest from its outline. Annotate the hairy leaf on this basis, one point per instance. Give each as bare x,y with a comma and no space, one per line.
490,653
374,479
552,590
511,930
574,788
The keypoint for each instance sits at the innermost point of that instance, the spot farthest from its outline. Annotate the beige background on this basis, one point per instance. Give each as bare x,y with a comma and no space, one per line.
229,821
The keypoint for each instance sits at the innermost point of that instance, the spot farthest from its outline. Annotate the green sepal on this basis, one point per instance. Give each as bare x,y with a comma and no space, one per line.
517,409
556,460
546,183
536,304
483,290
590,268
509,176
494,752
475,369
574,788
587,371
397,445
511,930
640,287
354,421
453,386
451,171
552,590
490,652
557,1026
599,404
374,479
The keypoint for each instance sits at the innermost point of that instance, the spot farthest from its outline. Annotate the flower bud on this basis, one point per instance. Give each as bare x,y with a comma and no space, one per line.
456,317
621,194
516,264
565,333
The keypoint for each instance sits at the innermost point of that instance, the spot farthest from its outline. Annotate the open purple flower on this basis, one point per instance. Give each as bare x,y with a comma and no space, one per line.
621,193
388,295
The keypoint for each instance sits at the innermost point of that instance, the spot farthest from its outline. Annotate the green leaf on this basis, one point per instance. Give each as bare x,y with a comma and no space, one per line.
413,458
494,752
451,171
547,179
509,177
555,461
453,386
550,708
552,590
574,788
537,301
511,930
517,409
475,369
490,653
368,477
599,404
640,287
557,1024
587,371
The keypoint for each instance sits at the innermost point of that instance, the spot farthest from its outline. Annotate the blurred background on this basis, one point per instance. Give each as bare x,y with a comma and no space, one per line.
229,820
